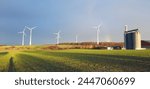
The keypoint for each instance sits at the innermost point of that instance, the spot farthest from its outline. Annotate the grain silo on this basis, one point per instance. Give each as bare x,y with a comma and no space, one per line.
132,39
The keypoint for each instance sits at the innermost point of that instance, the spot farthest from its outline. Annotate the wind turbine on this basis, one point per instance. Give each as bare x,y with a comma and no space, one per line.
76,38
57,36
23,36
30,29
98,31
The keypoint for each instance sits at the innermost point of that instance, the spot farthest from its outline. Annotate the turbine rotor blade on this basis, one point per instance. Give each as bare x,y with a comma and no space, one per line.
34,27
27,27
20,32
55,33
94,27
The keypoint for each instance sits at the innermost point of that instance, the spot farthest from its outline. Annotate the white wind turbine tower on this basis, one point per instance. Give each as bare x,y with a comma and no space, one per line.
76,38
30,29
57,36
98,31
23,36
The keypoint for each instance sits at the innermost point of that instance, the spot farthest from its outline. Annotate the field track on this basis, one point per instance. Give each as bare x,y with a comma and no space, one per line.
78,60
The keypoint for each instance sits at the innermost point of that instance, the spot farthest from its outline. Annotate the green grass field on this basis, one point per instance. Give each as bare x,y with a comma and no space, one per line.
78,60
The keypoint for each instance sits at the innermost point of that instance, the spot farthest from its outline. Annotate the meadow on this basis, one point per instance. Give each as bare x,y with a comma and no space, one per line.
74,60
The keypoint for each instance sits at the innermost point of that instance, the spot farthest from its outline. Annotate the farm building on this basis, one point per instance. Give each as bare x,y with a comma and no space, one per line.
145,44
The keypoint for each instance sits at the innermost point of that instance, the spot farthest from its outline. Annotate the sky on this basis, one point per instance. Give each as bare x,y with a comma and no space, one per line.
72,17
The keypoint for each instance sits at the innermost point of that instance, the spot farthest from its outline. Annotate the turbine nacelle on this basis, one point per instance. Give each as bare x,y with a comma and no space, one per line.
97,27
30,28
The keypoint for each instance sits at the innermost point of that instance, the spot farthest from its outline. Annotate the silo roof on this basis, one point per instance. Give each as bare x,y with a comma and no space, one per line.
134,30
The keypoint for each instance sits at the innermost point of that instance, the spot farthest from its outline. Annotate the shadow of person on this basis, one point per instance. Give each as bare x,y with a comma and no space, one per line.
11,66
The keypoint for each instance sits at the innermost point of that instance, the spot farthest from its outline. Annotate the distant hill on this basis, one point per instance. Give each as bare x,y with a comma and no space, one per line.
2,45
101,44
82,45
